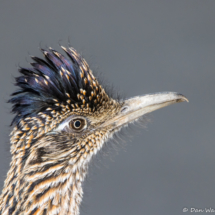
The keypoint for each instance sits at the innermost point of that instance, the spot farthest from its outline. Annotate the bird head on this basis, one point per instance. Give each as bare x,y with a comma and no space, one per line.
64,115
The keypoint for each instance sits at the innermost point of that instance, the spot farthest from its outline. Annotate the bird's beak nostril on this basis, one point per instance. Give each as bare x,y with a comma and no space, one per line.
124,109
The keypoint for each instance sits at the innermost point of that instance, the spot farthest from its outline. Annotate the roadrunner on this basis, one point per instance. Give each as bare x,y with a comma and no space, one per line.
63,117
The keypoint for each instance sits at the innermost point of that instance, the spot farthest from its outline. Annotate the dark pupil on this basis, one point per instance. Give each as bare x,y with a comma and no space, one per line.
77,124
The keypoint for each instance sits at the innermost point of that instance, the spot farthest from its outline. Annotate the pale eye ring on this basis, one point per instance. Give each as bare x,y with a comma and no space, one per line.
78,124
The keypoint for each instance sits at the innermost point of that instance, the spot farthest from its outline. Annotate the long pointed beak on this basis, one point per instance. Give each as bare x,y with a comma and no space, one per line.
138,106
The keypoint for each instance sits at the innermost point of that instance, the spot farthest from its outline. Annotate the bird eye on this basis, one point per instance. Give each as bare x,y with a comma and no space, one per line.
77,124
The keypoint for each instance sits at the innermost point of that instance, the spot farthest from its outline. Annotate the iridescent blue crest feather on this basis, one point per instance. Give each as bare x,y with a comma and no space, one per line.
55,79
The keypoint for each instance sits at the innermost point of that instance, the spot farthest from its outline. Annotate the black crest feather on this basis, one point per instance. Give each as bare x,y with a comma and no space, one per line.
55,79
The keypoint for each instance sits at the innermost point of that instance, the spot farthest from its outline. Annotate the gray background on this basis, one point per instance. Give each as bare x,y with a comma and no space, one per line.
140,47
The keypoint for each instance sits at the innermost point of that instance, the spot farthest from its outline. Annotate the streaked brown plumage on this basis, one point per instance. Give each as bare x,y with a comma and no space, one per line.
63,117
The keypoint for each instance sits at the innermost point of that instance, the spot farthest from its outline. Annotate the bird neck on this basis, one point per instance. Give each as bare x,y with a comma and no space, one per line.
43,183
51,189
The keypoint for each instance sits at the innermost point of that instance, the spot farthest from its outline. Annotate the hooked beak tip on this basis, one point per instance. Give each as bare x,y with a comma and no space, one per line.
182,98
